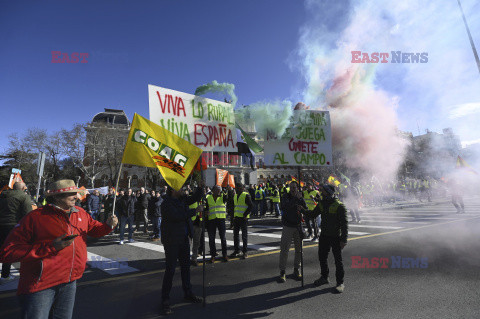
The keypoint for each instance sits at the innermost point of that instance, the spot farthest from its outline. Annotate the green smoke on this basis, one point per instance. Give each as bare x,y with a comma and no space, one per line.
215,87
269,117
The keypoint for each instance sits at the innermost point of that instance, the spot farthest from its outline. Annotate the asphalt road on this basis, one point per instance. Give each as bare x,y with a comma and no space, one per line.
125,281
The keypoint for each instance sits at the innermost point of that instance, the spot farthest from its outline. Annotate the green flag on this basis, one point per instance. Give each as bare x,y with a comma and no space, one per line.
250,141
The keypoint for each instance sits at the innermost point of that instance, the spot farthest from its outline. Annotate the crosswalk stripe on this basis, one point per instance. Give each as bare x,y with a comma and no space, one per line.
259,234
11,285
251,246
150,246
266,226
359,233
387,217
350,225
437,218
392,221
112,267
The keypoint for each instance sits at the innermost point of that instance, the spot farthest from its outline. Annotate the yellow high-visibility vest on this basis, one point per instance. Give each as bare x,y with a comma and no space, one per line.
194,206
258,194
217,208
240,205
308,200
276,196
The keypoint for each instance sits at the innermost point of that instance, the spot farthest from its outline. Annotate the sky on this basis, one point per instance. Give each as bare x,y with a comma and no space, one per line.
269,49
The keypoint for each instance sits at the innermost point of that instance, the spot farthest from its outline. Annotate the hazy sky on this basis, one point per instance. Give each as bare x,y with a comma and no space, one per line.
269,49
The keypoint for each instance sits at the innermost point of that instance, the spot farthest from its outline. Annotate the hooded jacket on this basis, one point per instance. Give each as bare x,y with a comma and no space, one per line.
30,243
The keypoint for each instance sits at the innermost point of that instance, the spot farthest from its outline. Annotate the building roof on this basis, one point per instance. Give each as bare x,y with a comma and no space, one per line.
111,116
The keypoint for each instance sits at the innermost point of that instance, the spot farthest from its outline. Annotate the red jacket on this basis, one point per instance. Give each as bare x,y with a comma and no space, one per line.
30,243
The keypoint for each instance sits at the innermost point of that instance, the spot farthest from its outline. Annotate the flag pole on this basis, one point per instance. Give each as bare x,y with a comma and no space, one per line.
300,235
116,189
203,234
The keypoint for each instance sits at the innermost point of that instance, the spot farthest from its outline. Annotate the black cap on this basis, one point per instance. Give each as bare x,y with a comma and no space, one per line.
329,189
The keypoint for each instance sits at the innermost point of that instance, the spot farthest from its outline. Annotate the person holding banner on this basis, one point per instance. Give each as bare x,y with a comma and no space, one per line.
176,229
293,205
242,207
217,213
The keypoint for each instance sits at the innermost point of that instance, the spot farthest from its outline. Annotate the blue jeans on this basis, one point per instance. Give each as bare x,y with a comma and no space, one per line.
276,207
156,221
54,302
259,207
94,214
123,221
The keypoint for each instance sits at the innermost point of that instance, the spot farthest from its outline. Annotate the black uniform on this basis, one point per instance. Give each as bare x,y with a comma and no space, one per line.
333,231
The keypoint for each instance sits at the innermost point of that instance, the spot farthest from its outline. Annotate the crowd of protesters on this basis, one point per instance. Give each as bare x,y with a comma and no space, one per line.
139,209
179,219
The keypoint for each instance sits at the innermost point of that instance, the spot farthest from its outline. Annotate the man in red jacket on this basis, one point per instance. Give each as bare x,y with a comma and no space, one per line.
52,257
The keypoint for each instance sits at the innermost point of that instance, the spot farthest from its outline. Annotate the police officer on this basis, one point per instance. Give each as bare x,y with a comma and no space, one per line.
243,206
217,213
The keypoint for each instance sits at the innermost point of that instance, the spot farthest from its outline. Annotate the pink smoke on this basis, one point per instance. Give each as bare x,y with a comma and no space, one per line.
364,125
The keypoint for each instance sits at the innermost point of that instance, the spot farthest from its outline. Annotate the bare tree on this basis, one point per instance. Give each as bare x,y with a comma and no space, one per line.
95,149
18,155
86,155
38,140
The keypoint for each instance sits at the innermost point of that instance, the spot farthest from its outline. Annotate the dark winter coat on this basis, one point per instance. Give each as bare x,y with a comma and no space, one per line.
93,203
292,217
177,218
126,205
14,204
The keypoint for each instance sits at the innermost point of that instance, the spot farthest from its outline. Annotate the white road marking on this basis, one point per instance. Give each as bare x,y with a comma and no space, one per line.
11,285
350,225
112,267
251,246
149,246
